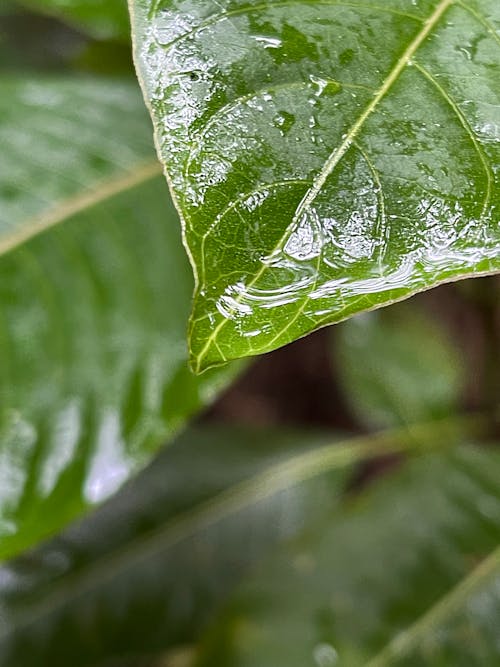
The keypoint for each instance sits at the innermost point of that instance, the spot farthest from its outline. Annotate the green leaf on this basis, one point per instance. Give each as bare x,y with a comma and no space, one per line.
408,575
93,370
146,571
67,143
326,157
398,366
106,19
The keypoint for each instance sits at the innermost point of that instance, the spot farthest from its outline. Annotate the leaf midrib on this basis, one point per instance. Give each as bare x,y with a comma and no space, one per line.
79,202
336,155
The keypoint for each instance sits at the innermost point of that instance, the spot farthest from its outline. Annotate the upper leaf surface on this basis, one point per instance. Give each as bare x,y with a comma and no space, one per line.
66,144
327,157
93,363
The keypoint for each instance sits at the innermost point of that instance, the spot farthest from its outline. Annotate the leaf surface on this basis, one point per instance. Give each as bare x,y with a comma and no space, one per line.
327,157
93,370
407,576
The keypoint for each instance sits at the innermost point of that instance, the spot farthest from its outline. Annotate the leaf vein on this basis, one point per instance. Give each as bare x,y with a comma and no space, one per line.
249,9
339,152
465,124
78,203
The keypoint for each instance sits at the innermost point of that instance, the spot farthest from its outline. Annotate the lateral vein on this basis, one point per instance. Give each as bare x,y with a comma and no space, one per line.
341,150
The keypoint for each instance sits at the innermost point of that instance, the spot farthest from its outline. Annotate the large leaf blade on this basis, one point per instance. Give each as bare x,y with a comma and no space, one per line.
326,160
93,376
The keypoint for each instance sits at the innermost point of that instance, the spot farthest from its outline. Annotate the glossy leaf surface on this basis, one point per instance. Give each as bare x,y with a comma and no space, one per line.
104,19
327,157
66,143
93,371
407,576
145,572
398,366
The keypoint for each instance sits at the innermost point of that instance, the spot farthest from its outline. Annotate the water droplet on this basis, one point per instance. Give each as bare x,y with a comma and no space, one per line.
268,42
320,85
325,655
284,121
305,240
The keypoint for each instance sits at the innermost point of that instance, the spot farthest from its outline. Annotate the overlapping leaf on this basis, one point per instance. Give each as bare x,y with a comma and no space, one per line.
327,157
144,573
147,571
408,576
93,371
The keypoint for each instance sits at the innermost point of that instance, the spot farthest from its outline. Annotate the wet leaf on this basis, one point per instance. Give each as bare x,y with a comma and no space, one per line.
94,295
326,157
407,576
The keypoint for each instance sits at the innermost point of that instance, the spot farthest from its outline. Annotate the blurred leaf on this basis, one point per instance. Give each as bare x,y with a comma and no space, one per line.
398,366
144,573
6,7
328,158
105,57
93,374
30,41
409,575
104,19
67,142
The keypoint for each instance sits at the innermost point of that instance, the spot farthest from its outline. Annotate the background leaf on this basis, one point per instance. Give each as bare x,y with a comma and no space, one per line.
408,575
63,139
104,20
327,158
93,372
146,572
398,366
